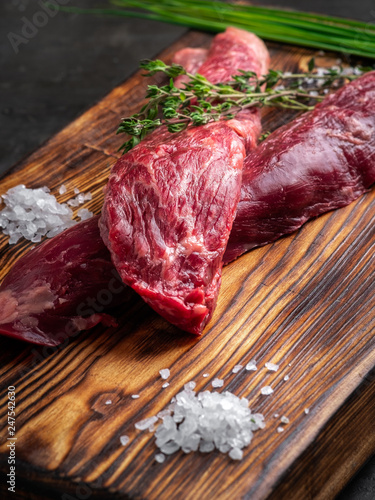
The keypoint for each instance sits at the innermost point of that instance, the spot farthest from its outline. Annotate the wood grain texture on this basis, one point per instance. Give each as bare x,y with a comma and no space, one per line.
305,302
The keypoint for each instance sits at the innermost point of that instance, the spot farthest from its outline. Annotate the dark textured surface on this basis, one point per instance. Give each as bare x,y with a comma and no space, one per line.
73,61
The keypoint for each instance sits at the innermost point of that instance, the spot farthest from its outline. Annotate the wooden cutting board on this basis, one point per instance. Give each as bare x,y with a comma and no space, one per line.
305,302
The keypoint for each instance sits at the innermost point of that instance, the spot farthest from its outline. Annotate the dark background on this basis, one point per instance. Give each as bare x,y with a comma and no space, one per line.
74,60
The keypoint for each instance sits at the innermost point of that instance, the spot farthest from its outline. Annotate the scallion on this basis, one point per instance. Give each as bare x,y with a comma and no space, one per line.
311,30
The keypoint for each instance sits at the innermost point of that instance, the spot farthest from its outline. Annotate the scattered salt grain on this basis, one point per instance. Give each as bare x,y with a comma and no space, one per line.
251,366
237,368
271,367
190,386
135,396
286,378
164,413
307,410
124,440
164,373
236,454
84,214
276,415
108,402
204,422
142,425
73,202
205,375
164,386
160,457
217,382
266,390
79,199
32,214
280,429
284,419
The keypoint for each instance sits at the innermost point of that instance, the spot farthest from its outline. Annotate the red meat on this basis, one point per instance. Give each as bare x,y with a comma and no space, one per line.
60,288
229,51
322,160
170,202
168,211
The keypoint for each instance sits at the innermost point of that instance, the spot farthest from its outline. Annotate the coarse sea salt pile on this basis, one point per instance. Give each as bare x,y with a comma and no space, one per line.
34,213
203,422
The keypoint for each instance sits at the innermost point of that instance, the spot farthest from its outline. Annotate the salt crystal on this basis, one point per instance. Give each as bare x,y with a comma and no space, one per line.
84,214
307,410
206,446
164,386
72,202
108,402
236,454
205,375
276,415
237,368
165,373
190,386
286,378
251,367
142,425
76,191
266,390
170,447
33,213
124,440
135,396
80,198
280,429
204,422
164,413
271,367
217,382
62,189
160,457
284,419
88,196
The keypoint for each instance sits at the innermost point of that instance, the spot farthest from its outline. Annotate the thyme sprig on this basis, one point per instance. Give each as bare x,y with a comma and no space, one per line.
200,101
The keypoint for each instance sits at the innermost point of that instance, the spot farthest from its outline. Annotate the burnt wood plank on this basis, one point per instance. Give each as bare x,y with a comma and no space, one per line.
305,302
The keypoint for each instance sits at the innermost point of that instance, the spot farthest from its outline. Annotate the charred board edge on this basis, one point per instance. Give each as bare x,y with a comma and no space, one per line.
312,476
329,463
292,482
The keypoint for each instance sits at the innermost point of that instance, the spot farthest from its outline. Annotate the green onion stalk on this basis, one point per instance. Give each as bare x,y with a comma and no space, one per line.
330,33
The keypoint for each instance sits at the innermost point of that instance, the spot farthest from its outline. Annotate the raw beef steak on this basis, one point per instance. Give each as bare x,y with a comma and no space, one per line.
170,202
168,211
60,288
322,160
229,51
